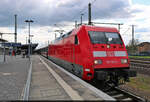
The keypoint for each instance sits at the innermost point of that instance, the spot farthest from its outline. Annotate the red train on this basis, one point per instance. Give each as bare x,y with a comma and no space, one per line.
91,53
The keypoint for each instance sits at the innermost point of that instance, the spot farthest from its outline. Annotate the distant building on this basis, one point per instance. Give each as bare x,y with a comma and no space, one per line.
25,47
1,41
1,47
9,47
144,47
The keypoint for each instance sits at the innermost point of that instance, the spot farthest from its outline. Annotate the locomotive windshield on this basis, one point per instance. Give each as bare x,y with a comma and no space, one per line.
104,37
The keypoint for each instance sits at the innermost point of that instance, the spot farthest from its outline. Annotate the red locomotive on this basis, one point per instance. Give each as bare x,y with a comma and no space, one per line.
91,53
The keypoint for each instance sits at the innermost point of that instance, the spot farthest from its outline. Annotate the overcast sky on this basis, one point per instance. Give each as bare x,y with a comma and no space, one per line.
46,13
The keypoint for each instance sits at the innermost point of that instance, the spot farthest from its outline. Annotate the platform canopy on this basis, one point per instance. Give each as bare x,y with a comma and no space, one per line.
2,40
11,44
25,46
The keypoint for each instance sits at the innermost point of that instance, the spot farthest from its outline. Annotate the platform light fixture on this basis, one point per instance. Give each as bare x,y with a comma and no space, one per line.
29,49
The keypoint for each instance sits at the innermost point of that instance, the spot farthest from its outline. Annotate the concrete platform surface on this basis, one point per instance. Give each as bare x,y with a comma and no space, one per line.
1,58
45,86
13,74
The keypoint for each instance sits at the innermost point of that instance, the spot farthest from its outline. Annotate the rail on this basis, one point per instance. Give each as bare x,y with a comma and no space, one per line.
123,95
141,66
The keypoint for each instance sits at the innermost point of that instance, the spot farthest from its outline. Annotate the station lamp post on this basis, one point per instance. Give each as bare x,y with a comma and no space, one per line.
29,49
31,43
81,18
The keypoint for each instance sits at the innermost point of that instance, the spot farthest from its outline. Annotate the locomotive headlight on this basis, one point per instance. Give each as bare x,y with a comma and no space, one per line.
98,61
124,61
108,46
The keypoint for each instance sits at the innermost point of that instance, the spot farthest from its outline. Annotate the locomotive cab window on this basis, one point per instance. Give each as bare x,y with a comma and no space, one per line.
113,38
97,37
76,40
104,37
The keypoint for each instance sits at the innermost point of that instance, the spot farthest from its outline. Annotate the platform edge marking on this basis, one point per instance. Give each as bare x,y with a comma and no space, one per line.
72,93
27,86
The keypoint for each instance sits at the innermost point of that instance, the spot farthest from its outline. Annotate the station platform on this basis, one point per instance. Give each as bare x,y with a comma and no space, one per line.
48,82
13,76
1,58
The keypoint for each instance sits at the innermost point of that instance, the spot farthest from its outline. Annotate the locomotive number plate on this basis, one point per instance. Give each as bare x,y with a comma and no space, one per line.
111,62
110,53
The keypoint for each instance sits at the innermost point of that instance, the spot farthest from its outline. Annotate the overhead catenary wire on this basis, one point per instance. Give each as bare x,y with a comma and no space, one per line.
85,8
125,31
81,12
77,16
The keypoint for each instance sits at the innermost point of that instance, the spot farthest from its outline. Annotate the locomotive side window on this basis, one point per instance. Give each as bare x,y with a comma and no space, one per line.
104,37
69,32
76,40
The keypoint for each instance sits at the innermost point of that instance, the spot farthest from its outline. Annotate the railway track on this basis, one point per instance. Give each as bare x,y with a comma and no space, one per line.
118,93
142,66
122,95
141,59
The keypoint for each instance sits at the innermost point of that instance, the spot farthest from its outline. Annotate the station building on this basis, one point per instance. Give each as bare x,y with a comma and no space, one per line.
1,47
144,47
9,47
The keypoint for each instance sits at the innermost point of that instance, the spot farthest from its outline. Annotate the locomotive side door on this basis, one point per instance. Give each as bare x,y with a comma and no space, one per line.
75,50
76,57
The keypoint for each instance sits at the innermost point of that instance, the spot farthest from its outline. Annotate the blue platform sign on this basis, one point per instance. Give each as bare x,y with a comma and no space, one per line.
11,44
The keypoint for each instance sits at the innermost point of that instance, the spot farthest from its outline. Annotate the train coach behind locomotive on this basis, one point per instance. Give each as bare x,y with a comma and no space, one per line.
91,53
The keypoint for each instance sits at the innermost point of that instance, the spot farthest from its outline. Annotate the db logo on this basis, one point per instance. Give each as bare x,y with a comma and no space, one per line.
110,53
